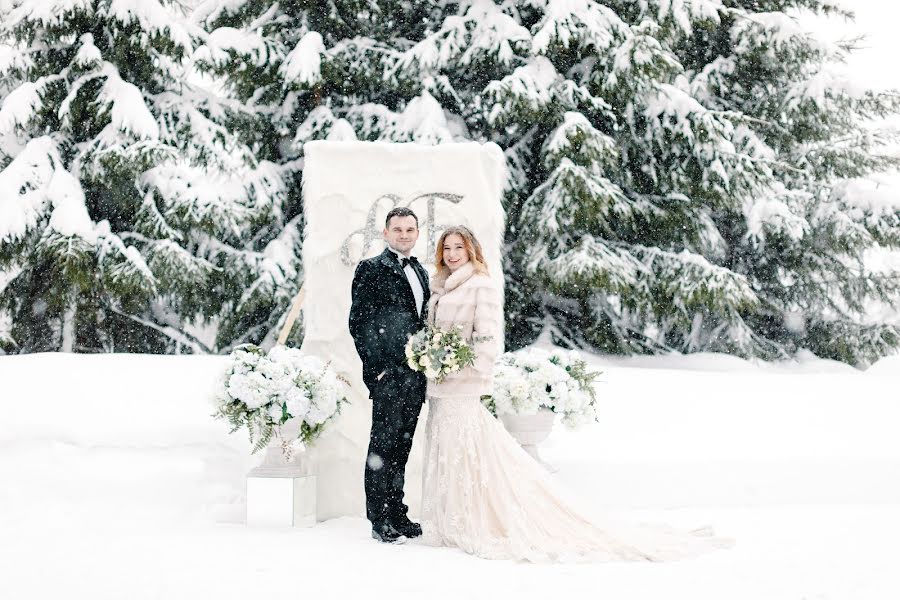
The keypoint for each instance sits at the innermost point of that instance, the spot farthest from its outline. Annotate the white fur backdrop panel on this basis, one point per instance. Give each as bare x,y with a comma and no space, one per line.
348,189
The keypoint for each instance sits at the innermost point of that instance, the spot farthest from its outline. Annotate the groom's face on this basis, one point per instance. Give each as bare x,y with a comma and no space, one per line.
401,234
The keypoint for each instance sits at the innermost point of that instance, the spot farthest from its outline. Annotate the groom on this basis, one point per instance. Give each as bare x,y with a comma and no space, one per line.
390,294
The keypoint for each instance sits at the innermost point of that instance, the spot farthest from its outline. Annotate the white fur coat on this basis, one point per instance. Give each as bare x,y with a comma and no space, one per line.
473,302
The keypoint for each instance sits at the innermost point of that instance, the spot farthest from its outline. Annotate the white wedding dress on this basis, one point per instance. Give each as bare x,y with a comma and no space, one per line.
484,494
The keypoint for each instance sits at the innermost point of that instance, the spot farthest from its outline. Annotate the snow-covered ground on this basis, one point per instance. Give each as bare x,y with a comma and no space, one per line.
115,483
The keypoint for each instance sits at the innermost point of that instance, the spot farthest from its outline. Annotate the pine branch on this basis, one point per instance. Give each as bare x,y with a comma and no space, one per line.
175,335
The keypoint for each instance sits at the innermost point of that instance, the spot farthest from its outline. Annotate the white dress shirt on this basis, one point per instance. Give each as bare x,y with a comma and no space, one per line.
414,283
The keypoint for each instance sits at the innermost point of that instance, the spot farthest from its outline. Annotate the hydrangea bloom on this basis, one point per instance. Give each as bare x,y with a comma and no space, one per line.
530,379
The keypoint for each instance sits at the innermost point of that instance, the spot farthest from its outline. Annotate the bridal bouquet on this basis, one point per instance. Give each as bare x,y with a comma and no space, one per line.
526,380
438,352
261,391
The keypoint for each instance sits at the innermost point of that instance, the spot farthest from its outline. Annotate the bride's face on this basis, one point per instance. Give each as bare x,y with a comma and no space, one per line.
455,254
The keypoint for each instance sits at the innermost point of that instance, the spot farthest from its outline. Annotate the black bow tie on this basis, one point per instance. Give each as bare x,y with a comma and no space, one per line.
405,261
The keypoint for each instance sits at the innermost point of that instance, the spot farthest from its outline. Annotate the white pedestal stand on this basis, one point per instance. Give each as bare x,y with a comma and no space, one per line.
282,493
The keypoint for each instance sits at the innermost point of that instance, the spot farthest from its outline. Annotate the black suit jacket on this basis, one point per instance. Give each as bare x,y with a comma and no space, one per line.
383,314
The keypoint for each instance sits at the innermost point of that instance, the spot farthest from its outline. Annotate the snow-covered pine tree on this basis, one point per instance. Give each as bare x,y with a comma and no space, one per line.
802,238
6,149
678,171
131,211
318,70
301,71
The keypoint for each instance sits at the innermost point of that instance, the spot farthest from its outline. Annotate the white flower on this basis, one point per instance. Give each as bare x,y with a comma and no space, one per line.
275,412
246,389
323,408
312,364
297,402
271,369
285,381
243,356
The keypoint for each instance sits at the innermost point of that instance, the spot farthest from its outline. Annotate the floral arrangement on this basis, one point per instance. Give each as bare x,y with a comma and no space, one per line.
261,391
438,352
529,379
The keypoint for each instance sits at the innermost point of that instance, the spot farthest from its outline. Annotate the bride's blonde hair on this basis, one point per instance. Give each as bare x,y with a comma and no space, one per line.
470,243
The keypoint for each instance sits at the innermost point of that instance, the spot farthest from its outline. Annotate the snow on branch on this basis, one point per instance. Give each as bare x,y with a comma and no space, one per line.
639,63
224,43
821,89
41,187
123,267
70,216
527,89
585,23
226,203
776,210
13,60
684,12
485,30
686,137
303,64
690,282
22,104
25,180
319,122
275,269
772,32
125,103
47,13
577,139
422,120
492,33
210,11
200,139
153,18
862,213
88,55
592,263
176,266
573,199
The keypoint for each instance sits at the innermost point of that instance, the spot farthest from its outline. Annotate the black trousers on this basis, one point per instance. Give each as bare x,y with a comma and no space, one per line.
396,402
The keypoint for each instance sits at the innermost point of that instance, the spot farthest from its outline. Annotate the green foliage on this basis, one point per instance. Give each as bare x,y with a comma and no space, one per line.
681,173
144,202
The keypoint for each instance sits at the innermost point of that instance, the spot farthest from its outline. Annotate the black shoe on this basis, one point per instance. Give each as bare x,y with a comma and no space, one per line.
409,529
387,534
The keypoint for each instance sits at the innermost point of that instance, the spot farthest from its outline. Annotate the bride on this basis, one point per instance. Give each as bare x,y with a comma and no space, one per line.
481,491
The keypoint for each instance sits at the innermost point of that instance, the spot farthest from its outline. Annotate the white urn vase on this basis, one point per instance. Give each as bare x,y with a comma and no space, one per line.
530,430
280,458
